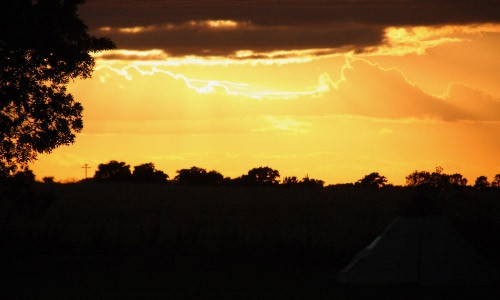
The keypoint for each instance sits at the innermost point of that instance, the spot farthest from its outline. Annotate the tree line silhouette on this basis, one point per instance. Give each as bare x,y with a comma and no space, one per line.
440,180
115,171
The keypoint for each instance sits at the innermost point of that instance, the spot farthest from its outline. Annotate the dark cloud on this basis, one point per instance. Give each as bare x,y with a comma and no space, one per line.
279,24
213,42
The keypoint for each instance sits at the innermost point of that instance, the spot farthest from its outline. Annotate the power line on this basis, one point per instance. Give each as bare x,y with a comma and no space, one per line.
86,167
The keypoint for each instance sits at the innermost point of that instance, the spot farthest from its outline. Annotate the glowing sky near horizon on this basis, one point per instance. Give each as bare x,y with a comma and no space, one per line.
226,90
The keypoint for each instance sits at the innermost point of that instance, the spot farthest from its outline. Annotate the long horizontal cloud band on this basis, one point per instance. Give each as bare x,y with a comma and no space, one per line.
270,25
220,42
122,13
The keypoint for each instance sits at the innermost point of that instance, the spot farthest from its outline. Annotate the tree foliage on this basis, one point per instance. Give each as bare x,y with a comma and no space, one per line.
113,171
43,45
481,183
291,181
312,183
305,182
457,180
147,173
496,181
48,180
437,179
261,176
419,178
23,178
198,176
372,180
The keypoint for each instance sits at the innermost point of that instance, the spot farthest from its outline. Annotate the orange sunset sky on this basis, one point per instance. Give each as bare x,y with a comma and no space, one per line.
330,89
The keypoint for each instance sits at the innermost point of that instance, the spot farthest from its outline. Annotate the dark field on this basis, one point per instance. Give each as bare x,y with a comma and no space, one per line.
107,241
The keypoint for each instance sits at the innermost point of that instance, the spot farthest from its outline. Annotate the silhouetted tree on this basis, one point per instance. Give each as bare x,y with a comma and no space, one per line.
419,178
24,178
496,181
306,182
16,189
261,176
147,173
481,183
372,180
43,46
290,181
113,171
215,178
457,180
192,176
342,186
198,176
22,199
436,179
48,180
311,183
439,179
228,181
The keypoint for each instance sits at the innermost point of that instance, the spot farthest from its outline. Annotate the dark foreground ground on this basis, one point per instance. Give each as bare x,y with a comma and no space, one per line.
93,281
87,241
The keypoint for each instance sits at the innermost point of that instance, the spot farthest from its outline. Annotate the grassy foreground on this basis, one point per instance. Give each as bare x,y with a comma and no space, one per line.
118,241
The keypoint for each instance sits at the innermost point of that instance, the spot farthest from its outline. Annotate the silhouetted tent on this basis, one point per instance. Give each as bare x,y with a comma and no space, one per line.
419,248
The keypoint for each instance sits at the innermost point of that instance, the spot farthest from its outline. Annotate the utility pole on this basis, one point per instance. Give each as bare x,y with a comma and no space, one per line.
86,167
